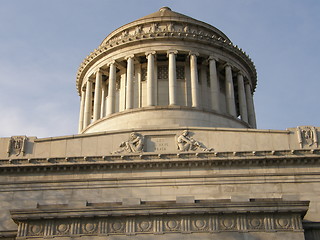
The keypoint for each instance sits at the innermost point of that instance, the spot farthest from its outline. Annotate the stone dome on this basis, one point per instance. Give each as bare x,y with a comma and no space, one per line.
166,14
166,69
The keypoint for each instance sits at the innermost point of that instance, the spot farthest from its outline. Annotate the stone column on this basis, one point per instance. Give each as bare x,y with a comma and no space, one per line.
251,112
214,84
188,98
139,76
172,77
203,96
81,115
103,99
130,76
112,88
231,106
97,96
194,79
242,98
151,81
88,104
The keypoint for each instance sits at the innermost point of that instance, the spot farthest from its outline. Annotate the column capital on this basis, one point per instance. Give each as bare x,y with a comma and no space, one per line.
150,52
175,52
99,70
191,53
240,72
111,62
247,82
212,57
130,56
227,65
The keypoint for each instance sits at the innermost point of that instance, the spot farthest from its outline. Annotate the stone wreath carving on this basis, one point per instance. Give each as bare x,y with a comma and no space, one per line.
307,135
17,145
134,144
186,143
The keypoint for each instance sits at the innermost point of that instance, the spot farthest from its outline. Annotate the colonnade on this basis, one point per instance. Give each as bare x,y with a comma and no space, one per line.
92,112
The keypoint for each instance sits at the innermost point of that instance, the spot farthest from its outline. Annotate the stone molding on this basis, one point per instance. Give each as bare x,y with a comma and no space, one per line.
161,30
148,160
161,218
169,108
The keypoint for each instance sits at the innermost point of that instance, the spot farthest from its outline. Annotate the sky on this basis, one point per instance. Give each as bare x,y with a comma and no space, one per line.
42,44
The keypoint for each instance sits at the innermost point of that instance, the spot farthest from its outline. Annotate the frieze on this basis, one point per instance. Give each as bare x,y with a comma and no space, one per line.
162,160
133,225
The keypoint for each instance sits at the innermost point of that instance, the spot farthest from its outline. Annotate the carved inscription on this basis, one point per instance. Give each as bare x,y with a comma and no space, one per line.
160,143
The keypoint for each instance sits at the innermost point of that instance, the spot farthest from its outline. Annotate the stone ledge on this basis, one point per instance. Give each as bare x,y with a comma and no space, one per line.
142,130
153,160
161,218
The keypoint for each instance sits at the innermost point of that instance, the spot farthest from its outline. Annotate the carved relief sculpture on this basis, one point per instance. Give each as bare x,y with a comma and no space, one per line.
307,136
186,143
154,28
17,145
186,29
171,27
138,29
134,144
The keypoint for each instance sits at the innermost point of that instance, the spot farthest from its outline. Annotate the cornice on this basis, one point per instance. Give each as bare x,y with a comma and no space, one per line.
165,160
161,218
161,207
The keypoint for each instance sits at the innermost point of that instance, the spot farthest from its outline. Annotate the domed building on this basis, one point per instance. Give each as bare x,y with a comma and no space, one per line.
168,148
170,69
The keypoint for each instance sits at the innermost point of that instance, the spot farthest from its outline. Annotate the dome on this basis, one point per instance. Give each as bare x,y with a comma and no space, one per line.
166,68
166,14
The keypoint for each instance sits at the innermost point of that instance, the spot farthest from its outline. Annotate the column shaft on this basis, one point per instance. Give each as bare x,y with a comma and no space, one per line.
231,106
103,99
112,89
88,104
150,79
130,75
81,115
97,97
203,101
188,97
172,77
242,98
194,80
139,86
214,85
251,112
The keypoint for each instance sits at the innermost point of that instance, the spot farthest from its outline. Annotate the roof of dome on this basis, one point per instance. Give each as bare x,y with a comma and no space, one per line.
163,14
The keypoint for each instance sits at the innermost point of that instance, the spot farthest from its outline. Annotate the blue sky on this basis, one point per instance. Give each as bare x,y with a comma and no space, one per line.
42,43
